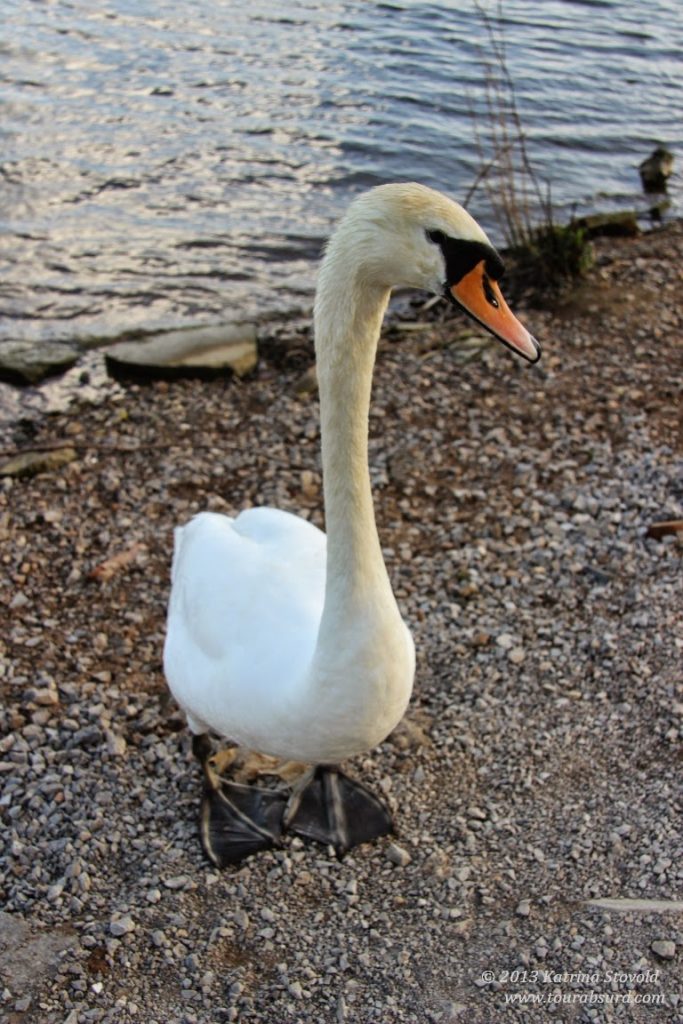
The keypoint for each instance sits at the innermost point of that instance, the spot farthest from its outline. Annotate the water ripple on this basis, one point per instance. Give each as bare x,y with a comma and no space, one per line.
169,163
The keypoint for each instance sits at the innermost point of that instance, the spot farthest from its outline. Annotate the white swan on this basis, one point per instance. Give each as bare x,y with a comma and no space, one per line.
283,640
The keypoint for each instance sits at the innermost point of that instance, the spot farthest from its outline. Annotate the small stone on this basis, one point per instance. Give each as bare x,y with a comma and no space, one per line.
208,978
88,736
46,697
177,882
523,908
516,655
116,744
55,891
665,949
192,962
477,812
397,855
122,926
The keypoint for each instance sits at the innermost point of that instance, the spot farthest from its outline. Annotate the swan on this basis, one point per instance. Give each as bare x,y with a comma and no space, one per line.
289,642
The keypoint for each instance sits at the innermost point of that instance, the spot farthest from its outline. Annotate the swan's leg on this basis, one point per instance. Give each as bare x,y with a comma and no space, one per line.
235,820
328,806
254,765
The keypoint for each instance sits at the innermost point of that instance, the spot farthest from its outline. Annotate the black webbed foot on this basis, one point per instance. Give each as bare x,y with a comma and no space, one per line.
331,808
326,805
237,820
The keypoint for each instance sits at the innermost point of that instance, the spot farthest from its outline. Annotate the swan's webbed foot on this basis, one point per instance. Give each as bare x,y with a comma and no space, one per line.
235,820
331,808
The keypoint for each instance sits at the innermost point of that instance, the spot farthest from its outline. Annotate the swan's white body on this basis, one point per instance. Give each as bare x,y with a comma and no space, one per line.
241,655
280,639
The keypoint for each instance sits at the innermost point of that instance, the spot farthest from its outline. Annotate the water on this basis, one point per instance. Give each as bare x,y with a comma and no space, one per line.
167,163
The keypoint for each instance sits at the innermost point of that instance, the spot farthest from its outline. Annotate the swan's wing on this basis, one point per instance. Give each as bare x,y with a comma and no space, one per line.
245,606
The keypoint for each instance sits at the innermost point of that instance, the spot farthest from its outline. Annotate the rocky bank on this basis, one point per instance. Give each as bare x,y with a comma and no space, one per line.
537,870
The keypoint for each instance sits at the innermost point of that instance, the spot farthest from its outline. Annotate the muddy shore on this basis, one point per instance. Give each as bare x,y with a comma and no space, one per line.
538,772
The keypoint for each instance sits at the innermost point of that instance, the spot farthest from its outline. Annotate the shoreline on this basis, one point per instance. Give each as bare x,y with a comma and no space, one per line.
88,375
535,780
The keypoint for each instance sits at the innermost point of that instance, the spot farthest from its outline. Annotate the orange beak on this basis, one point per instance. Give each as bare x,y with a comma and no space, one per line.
480,296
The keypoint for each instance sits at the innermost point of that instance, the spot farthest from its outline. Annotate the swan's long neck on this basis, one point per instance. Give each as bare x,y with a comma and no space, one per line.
348,321
363,664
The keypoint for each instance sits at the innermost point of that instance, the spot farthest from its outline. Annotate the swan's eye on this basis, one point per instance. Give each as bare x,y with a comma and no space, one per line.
437,237
489,292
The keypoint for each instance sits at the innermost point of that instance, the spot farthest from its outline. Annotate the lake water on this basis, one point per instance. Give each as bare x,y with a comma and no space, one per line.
180,162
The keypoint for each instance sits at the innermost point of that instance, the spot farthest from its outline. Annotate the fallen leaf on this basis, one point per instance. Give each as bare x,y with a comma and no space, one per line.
669,526
105,570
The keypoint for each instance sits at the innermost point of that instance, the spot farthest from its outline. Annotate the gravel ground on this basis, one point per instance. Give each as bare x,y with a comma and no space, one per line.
538,767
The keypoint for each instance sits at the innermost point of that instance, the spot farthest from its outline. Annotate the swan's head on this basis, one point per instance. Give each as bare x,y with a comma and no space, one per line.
407,235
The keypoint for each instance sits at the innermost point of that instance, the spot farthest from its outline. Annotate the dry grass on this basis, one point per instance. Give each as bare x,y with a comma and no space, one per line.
546,256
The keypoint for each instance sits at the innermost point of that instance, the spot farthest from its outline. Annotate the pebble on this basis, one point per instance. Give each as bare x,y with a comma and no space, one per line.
664,948
177,882
55,891
121,926
116,744
46,697
397,855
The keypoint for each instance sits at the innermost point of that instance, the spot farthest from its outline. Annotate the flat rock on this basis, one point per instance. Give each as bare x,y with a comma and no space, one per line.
27,956
194,352
620,224
30,463
644,906
27,362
